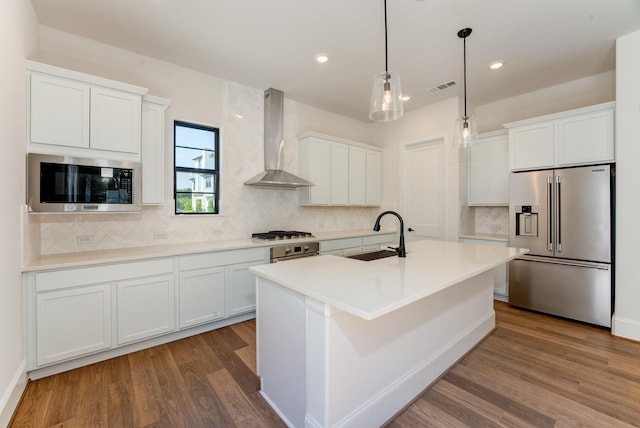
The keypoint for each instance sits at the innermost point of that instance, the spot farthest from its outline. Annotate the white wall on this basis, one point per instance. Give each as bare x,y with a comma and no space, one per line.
19,36
596,89
424,124
208,100
626,321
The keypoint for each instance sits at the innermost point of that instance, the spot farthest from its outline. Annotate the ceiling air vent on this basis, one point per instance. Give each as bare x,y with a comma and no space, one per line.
442,86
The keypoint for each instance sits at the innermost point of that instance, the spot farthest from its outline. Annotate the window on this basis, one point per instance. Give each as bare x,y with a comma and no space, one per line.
197,168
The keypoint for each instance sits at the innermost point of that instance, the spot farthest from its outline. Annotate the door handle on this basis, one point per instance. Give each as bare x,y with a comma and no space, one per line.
410,229
550,212
558,214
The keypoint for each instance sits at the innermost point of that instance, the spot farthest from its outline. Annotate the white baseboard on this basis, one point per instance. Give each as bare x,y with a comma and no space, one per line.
12,395
622,327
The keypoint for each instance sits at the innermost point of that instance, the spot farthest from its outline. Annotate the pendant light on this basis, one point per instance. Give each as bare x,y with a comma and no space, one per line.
466,132
386,103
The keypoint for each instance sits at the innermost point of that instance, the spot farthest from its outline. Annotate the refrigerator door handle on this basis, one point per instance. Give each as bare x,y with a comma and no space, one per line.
558,214
550,213
593,265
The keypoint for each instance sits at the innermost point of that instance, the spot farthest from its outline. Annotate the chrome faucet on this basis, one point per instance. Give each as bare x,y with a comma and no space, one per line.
376,227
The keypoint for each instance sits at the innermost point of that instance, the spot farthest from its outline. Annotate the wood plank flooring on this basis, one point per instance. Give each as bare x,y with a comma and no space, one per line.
532,371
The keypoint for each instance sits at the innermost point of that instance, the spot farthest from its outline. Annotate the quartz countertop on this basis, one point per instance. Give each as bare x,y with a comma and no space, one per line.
69,260
372,289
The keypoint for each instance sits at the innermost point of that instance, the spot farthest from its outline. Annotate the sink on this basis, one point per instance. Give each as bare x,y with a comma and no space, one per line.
373,255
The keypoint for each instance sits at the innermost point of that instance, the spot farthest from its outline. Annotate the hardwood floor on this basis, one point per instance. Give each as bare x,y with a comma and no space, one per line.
532,371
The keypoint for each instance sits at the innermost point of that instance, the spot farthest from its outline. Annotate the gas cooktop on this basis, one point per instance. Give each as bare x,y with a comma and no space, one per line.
278,235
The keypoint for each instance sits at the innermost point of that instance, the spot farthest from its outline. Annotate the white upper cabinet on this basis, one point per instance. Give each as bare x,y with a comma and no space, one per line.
357,175
152,149
114,121
89,114
344,173
575,137
339,174
488,178
374,178
59,111
315,165
586,138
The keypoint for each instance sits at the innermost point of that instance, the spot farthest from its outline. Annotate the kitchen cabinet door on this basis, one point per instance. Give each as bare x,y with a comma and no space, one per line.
72,322
59,111
202,296
115,120
344,172
152,150
315,165
341,246
241,288
488,179
357,176
586,138
145,308
339,174
532,146
374,178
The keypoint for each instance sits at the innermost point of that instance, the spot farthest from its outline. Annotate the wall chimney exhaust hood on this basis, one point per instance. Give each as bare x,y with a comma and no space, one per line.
274,175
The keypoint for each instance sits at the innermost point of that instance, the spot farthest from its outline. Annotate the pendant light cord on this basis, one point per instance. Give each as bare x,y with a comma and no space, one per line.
464,50
386,53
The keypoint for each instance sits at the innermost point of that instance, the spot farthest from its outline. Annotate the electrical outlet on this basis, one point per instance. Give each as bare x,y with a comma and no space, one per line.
160,235
84,239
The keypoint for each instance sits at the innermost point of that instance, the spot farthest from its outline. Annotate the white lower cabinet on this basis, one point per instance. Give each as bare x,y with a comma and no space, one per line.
241,288
201,296
217,285
145,308
500,274
72,322
346,246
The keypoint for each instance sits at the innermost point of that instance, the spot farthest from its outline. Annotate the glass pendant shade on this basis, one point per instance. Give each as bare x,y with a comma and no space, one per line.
466,132
386,97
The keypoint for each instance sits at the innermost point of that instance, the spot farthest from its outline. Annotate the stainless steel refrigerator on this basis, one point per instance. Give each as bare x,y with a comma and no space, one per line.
565,218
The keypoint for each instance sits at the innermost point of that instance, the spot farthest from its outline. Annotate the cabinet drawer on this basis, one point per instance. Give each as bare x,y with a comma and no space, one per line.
338,244
383,238
221,258
53,280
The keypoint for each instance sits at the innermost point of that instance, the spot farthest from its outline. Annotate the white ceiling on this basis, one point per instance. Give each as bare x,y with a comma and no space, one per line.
272,43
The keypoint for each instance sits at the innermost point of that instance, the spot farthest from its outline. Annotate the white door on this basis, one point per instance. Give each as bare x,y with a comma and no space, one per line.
422,191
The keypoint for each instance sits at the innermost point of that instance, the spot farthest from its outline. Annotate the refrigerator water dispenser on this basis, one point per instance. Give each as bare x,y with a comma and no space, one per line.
527,220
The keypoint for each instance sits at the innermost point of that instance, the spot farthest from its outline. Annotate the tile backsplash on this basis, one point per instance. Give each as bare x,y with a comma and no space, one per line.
484,220
494,220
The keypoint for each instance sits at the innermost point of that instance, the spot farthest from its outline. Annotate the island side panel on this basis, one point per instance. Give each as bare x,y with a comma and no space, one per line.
371,369
280,349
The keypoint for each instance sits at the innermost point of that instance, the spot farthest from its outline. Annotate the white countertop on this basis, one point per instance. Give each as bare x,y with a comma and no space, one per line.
375,288
69,260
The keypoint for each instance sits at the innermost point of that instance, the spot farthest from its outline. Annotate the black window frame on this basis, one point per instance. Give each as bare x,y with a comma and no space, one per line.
215,172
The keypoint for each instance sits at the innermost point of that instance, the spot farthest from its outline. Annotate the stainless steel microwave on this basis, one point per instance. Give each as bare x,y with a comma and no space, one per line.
70,184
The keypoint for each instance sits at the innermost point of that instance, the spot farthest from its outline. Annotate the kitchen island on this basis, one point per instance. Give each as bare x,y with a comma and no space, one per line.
343,342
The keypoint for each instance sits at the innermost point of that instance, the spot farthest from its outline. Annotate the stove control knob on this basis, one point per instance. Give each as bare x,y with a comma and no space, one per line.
305,248
287,250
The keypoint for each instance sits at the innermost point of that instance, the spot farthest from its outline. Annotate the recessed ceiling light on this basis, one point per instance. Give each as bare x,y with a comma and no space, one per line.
495,65
322,58
405,97
239,116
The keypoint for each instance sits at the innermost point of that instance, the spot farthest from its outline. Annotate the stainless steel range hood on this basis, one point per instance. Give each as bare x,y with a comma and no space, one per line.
274,175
